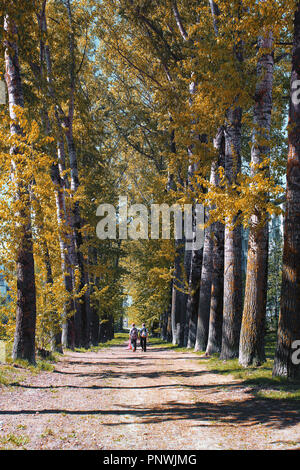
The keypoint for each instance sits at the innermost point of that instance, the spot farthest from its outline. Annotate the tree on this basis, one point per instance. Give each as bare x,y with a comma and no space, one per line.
232,310
217,286
24,342
254,314
289,318
205,289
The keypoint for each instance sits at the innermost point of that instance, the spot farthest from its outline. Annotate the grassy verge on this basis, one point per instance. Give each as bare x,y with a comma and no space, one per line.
12,372
157,342
9,375
260,378
41,364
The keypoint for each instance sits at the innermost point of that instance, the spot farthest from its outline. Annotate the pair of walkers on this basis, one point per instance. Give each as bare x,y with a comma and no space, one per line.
134,334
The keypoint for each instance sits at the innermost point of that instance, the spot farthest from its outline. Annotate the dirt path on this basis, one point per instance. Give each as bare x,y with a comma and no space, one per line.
162,399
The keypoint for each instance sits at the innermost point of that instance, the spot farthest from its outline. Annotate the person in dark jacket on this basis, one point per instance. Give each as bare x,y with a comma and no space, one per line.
133,334
143,337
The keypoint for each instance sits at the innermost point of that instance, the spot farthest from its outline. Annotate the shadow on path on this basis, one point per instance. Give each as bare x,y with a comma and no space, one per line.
246,413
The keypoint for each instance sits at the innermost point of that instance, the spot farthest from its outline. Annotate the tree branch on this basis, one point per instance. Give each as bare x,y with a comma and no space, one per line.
179,21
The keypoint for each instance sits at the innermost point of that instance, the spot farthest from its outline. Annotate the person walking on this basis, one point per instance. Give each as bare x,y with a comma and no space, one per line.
133,335
143,337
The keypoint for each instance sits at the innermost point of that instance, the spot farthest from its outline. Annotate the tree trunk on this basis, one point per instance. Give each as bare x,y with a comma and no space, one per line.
217,292
24,340
232,310
185,318
95,321
204,291
254,314
82,311
195,267
193,298
59,177
94,330
178,296
217,286
56,333
164,323
194,275
169,320
289,318
68,336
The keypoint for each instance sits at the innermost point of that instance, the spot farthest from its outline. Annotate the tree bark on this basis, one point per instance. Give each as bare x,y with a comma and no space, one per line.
289,318
179,297
217,286
56,333
94,317
254,314
193,298
204,291
232,310
82,311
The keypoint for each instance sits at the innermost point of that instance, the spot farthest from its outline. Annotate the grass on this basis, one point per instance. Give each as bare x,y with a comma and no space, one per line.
11,372
264,385
161,343
13,440
47,432
8,375
41,364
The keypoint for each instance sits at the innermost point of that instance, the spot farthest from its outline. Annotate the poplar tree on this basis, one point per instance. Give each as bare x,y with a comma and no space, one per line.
289,318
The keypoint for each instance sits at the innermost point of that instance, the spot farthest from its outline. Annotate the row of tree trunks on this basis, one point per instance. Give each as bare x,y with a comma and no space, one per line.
206,276
75,330
217,292
214,280
60,185
192,258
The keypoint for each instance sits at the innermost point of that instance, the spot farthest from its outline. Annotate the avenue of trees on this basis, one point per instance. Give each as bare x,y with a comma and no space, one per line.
187,101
